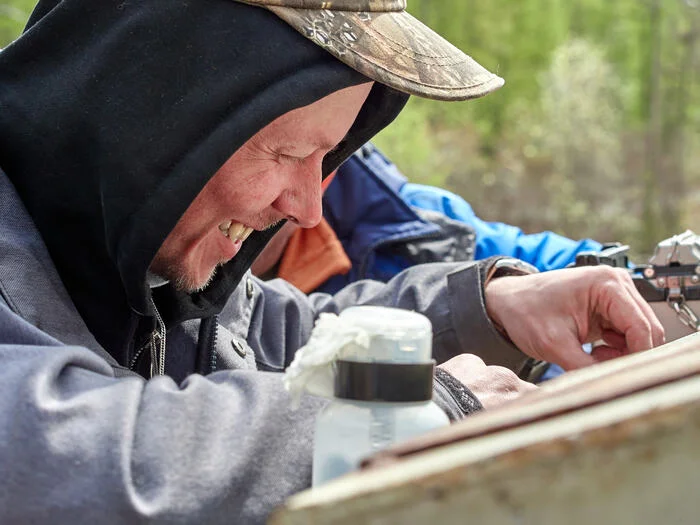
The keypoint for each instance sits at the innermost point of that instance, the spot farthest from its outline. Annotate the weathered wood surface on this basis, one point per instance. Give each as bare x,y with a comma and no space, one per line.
615,443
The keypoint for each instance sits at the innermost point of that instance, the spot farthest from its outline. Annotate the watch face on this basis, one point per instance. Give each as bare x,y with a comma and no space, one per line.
513,265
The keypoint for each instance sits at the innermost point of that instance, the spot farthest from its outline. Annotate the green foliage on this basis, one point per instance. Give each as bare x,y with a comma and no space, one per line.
13,17
594,133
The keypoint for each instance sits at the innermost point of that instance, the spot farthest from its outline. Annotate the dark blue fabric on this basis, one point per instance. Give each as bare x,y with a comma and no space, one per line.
365,214
369,205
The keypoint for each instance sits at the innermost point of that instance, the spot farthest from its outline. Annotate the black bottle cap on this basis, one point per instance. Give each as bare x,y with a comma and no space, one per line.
389,382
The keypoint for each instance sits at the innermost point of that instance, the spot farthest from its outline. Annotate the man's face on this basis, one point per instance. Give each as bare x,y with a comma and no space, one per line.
275,175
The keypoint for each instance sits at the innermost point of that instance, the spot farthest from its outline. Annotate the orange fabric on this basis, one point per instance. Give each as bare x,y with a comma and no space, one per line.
312,256
327,181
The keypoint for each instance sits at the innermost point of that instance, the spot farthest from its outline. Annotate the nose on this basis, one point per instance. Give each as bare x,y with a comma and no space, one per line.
301,202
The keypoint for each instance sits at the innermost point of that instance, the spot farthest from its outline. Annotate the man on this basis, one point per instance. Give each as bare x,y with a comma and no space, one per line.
147,149
376,224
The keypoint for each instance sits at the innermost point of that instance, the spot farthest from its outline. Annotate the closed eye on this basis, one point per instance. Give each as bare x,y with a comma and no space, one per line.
289,159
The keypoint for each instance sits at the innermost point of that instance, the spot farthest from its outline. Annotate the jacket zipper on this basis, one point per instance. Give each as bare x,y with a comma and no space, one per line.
156,346
212,347
206,345
135,359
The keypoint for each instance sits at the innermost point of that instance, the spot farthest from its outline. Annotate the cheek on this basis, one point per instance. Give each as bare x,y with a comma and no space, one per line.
223,193
257,191
241,188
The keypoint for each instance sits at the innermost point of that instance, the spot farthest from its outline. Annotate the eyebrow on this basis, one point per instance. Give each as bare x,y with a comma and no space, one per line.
327,145
324,145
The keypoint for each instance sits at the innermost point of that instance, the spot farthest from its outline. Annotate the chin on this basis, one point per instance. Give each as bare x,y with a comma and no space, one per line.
191,284
187,274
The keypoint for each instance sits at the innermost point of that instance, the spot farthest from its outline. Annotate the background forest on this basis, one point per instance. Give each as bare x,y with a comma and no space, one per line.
595,133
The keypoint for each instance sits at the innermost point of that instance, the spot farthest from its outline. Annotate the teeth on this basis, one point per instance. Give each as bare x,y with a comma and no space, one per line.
246,234
238,232
235,231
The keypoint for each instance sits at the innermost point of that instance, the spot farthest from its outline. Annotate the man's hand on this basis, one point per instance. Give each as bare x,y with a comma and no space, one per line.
492,385
549,315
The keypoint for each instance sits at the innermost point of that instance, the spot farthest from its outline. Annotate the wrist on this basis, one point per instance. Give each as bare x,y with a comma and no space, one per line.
495,286
492,289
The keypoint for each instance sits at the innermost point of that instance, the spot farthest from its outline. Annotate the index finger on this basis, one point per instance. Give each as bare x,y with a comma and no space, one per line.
657,329
618,306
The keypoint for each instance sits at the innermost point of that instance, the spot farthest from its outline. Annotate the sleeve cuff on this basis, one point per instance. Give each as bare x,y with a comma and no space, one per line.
475,331
453,397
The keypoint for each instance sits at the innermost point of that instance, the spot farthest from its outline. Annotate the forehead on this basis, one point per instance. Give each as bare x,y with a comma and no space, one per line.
294,129
321,122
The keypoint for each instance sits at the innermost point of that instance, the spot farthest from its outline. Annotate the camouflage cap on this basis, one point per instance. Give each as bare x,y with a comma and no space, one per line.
382,41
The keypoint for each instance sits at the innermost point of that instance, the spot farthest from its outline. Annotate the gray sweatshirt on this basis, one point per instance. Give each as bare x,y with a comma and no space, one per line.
86,441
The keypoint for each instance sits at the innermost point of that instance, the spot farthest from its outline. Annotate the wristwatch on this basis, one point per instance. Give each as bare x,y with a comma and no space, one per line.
506,266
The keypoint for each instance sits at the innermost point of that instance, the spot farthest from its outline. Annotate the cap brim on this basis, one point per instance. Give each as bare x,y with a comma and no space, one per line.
395,49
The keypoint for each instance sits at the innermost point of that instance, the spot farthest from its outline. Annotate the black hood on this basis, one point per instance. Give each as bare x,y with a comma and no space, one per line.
115,114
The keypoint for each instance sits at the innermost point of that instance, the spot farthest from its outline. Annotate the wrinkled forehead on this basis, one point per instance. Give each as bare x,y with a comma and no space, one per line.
319,125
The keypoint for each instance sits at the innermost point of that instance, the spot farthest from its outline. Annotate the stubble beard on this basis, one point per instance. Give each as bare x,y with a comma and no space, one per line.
184,283
182,280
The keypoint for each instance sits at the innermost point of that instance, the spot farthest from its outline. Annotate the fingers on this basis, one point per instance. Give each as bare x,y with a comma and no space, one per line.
605,353
627,312
548,316
657,330
613,339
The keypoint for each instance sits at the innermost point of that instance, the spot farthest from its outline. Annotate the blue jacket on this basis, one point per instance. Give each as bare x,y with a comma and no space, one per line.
387,224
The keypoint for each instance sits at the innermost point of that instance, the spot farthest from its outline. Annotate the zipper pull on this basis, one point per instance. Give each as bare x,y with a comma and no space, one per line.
157,345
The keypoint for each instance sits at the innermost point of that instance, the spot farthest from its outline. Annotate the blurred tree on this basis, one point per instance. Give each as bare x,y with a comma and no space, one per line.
13,16
594,133
582,101
615,147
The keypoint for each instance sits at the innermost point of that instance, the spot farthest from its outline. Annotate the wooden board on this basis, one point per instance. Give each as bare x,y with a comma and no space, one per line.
614,443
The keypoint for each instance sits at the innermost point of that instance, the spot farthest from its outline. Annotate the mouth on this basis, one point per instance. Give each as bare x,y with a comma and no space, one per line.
235,231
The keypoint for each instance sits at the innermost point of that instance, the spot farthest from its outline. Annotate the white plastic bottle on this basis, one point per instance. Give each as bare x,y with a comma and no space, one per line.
382,391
